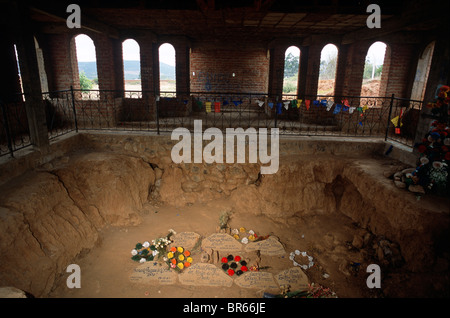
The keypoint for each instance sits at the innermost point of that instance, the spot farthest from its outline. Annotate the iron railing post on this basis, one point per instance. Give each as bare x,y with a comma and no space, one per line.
6,125
157,113
389,117
74,108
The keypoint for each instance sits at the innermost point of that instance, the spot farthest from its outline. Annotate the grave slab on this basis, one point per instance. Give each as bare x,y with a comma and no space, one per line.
294,277
188,240
260,280
151,272
203,274
270,247
222,242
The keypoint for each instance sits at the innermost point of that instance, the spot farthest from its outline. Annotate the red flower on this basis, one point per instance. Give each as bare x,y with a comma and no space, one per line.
237,258
244,268
447,156
224,260
444,88
422,148
230,272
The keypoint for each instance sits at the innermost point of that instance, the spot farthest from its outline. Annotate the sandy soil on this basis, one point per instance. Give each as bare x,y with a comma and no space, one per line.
105,270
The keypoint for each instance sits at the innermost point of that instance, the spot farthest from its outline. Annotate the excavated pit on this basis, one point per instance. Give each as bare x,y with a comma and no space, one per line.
92,202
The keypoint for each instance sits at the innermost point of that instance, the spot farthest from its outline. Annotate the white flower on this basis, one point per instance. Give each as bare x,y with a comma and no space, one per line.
304,254
304,266
437,165
142,260
310,264
146,244
235,231
251,232
296,264
133,252
154,253
165,259
244,240
297,252
424,160
291,257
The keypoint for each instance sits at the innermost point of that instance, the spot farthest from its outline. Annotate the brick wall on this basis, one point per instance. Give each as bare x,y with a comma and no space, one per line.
214,68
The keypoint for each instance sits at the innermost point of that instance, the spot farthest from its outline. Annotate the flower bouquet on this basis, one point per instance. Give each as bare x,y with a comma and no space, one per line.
234,265
144,252
178,258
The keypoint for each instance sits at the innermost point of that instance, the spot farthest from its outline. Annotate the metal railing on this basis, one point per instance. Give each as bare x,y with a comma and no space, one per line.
352,116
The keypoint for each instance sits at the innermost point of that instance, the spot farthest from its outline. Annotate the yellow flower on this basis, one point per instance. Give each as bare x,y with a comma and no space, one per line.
251,238
236,236
170,255
180,249
189,259
242,229
180,265
181,257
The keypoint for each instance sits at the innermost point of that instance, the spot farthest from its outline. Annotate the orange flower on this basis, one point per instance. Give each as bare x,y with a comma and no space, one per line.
187,253
173,249
174,261
187,264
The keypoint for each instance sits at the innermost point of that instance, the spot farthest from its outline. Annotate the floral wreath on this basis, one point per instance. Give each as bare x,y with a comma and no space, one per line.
178,258
297,252
231,263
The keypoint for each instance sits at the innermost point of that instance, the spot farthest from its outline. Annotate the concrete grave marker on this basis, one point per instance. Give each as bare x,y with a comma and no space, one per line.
186,239
260,280
270,247
294,277
203,274
151,272
222,242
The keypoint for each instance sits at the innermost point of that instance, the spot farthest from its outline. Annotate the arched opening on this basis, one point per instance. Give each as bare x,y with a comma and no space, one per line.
291,70
86,63
131,66
327,71
422,71
167,75
373,68
19,74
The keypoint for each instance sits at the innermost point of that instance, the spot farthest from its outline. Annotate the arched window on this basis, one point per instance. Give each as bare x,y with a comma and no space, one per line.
373,68
422,71
131,67
327,71
167,62
86,62
19,74
291,70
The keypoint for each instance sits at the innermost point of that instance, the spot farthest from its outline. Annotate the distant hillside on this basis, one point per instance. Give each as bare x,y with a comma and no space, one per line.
132,70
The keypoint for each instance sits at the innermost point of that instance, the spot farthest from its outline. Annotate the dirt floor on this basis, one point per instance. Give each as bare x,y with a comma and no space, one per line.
105,270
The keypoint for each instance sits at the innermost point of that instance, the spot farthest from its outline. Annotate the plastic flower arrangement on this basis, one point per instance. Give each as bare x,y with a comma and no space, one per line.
245,236
433,170
144,252
178,258
234,265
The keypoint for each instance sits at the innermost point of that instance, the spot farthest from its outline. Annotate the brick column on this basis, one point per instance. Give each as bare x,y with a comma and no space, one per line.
30,78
